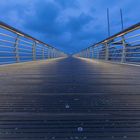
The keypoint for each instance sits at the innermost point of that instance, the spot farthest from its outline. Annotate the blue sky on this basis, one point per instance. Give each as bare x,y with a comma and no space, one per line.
69,25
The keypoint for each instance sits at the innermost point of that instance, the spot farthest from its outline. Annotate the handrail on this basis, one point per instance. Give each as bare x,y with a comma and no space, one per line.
125,31
23,41
119,43
14,30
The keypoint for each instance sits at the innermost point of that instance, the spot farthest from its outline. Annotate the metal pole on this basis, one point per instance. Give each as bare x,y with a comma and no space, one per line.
122,23
43,56
16,46
34,50
82,54
92,52
52,53
55,53
106,51
108,20
87,52
123,59
49,53
98,53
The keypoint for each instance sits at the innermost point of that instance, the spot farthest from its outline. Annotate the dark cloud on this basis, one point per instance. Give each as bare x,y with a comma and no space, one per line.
44,19
67,3
70,25
75,24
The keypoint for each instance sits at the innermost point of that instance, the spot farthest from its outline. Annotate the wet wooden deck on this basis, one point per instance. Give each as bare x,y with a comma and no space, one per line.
69,99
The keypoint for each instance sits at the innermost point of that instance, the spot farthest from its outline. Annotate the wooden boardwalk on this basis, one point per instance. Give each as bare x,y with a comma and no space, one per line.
69,99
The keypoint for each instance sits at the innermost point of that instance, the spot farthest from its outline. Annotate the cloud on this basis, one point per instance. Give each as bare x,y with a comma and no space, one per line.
67,3
70,25
75,24
44,18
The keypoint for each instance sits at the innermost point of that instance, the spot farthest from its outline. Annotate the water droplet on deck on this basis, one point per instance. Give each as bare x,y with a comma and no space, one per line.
76,99
16,128
67,106
80,129
124,137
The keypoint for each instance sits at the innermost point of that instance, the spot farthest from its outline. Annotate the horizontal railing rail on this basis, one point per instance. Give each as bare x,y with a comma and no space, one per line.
16,46
122,47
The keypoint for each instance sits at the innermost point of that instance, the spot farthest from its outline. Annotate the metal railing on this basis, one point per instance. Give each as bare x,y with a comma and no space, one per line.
122,47
16,46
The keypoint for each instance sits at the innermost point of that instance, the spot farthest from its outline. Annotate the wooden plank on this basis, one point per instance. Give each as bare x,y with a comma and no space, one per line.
69,99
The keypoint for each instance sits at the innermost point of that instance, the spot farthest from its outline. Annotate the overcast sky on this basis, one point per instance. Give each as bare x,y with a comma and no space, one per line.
69,25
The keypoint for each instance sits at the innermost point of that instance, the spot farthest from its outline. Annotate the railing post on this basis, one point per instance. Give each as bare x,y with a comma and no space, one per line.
34,50
48,52
43,56
16,50
52,52
106,51
123,59
84,54
92,49
98,53
81,54
87,52
55,53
